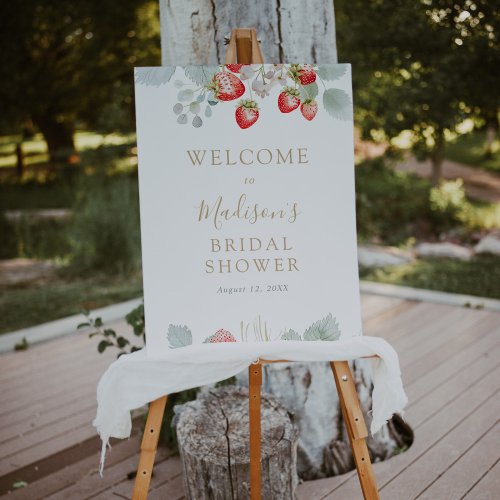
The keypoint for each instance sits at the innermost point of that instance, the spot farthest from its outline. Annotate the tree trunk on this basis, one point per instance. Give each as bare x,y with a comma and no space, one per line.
290,31
19,160
437,157
491,133
59,137
213,438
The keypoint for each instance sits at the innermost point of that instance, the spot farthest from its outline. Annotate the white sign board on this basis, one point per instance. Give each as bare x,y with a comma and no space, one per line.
247,204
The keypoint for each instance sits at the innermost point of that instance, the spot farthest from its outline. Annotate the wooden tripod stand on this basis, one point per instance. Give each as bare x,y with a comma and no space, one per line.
244,48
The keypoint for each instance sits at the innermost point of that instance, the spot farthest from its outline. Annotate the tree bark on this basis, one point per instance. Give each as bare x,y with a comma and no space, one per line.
290,31
59,137
437,158
213,438
492,127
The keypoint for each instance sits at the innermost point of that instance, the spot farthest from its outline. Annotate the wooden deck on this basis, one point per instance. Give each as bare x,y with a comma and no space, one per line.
450,359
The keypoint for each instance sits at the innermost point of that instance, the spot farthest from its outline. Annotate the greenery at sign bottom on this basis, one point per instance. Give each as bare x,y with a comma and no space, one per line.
110,339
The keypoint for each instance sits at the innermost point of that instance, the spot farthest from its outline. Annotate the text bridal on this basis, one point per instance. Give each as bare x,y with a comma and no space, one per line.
262,265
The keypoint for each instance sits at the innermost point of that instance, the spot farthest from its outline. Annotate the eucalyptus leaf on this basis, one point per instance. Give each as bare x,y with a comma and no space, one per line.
337,104
201,75
179,336
185,95
291,335
332,72
154,77
182,119
197,122
208,111
324,329
178,107
194,107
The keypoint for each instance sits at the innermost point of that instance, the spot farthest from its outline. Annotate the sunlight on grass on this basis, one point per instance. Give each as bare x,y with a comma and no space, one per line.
478,277
470,149
35,149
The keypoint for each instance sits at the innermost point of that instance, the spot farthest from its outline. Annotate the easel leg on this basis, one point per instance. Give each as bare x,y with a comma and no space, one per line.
356,427
148,448
254,385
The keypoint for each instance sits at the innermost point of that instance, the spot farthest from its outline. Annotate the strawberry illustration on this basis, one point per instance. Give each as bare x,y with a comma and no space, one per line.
305,74
288,100
247,113
226,86
221,336
235,68
309,109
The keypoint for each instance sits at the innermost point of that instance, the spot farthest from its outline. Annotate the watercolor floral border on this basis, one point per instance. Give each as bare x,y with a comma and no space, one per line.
326,329
296,84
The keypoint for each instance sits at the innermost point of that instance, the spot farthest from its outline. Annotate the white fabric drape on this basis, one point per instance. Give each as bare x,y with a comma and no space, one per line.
136,379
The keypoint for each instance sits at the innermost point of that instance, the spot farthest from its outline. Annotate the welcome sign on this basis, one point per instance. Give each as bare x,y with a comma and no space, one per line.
247,205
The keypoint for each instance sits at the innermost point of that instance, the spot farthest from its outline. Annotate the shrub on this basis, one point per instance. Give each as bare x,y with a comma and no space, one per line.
105,233
391,206
448,202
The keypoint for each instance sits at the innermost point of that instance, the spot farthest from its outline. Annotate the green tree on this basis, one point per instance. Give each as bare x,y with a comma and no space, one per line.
419,65
64,62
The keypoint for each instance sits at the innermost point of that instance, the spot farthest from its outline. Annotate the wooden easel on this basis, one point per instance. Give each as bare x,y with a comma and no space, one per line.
244,48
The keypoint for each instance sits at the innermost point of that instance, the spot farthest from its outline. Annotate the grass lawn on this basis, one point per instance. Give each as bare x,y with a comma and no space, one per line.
23,307
469,149
480,276
35,149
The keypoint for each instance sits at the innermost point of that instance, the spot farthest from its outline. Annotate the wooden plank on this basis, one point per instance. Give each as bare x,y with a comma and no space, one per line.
31,422
165,470
10,449
429,433
448,367
444,394
42,450
476,462
390,313
319,488
42,354
425,356
488,487
48,387
442,455
173,490
118,456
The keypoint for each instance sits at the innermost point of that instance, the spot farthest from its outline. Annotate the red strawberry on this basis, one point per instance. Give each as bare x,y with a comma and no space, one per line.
306,75
247,113
288,100
226,86
309,109
221,336
235,68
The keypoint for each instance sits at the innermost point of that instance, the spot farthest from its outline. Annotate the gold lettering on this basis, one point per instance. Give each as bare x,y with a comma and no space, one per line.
302,155
241,157
216,156
195,158
282,159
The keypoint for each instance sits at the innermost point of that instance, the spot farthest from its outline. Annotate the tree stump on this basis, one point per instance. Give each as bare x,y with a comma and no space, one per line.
213,437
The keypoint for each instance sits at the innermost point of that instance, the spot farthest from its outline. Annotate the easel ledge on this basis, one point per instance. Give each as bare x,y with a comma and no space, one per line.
244,48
